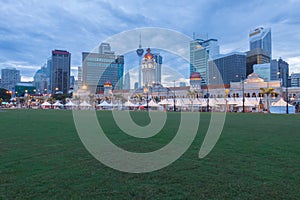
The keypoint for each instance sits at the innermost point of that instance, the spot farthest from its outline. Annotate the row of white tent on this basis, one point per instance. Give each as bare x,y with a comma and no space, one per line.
217,103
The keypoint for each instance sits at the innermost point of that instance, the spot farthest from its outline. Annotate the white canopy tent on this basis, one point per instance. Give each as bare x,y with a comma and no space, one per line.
84,105
279,107
70,105
130,104
46,105
57,104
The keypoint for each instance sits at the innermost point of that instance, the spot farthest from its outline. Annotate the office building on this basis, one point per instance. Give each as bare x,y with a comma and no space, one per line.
283,72
98,68
60,71
227,68
260,38
263,71
79,77
24,88
127,81
201,51
10,77
40,80
256,56
295,80
72,82
158,60
260,48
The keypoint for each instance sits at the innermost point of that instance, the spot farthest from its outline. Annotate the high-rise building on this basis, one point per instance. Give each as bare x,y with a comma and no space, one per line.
274,75
127,81
227,68
48,72
60,71
10,77
98,68
283,69
263,71
79,77
260,38
105,48
40,80
158,61
295,79
256,56
72,82
201,51
260,43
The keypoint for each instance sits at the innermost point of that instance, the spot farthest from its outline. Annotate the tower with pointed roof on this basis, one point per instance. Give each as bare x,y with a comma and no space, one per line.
148,68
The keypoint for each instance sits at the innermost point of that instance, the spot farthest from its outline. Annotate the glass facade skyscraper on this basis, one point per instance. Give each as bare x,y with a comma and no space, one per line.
98,68
260,43
227,68
260,38
60,71
158,61
201,51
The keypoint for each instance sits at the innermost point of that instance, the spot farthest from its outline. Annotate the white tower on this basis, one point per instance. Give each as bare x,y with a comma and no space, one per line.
148,68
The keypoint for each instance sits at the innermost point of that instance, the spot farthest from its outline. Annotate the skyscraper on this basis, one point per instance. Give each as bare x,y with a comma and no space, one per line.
295,80
260,48
201,51
127,81
158,61
60,71
10,77
283,68
40,80
227,68
98,68
79,77
260,38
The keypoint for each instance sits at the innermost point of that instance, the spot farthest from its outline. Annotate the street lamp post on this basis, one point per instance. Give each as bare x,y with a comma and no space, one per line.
287,94
243,90
146,90
207,100
174,98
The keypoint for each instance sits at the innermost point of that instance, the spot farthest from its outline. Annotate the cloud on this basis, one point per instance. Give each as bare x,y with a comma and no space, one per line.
30,29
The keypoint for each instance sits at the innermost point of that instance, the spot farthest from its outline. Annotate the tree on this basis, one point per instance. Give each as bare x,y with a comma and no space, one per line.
268,91
4,94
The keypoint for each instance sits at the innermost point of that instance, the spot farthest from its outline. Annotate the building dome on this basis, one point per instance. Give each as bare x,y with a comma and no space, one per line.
148,55
195,76
107,84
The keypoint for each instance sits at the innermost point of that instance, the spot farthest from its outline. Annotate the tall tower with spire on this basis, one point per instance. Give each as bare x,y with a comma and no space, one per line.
149,69
140,53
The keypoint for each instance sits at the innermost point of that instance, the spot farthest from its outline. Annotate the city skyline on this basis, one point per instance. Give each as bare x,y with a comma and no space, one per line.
28,35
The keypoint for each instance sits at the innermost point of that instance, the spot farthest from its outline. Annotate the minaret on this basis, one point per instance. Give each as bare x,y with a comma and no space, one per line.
140,53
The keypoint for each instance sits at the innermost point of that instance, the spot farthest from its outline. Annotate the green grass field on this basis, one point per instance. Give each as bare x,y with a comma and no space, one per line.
42,157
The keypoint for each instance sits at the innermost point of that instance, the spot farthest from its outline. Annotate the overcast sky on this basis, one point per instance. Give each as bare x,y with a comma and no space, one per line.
30,29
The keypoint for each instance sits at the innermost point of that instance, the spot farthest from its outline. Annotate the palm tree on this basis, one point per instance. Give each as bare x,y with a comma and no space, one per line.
188,93
268,91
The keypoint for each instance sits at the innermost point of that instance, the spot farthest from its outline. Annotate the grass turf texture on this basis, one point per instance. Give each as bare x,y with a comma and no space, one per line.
256,157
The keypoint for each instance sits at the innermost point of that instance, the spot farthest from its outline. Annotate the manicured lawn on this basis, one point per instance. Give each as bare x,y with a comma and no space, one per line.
42,157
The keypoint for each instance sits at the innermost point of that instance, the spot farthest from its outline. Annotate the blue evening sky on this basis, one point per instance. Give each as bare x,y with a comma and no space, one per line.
30,29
